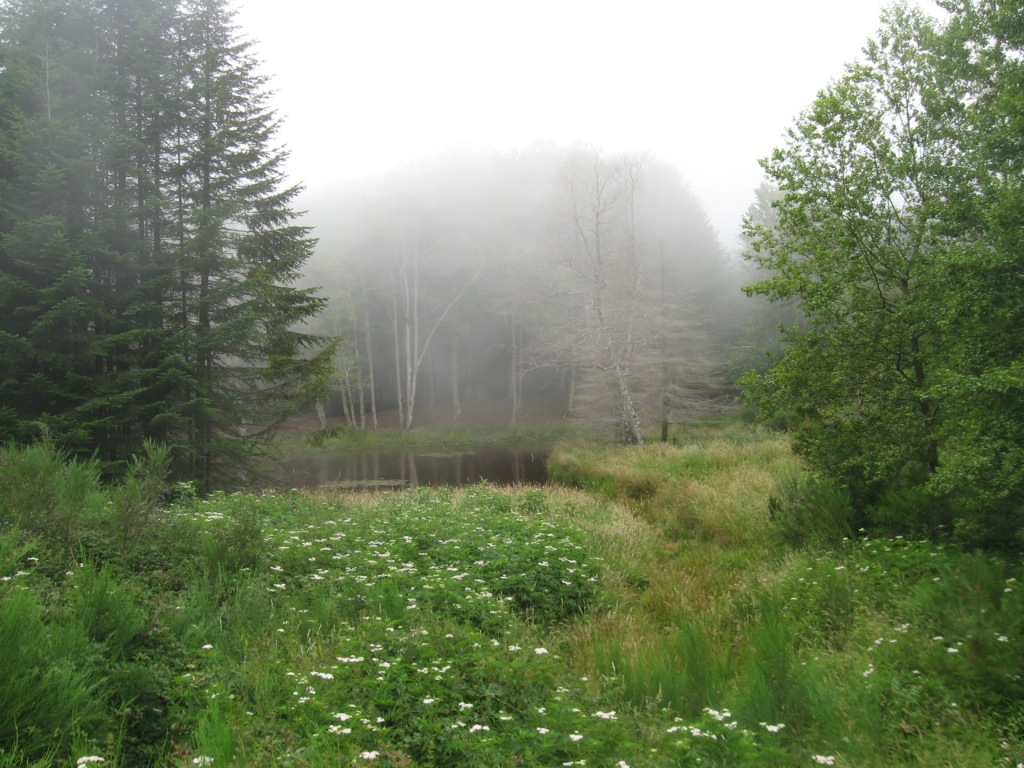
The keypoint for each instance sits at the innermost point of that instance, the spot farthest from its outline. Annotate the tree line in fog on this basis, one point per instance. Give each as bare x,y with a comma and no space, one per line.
563,281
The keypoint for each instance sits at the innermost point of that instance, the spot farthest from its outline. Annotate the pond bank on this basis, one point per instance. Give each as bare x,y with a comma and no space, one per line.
389,469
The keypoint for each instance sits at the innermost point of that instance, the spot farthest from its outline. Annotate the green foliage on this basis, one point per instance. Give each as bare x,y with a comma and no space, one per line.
424,628
107,610
811,510
891,233
832,639
822,602
779,686
135,500
147,250
913,511
48,493
683,673
52,679
977,605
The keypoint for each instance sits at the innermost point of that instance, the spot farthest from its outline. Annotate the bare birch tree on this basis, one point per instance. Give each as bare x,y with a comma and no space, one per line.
601,253
416,321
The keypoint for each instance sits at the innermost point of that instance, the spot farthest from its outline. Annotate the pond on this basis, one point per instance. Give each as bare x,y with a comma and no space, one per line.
411,468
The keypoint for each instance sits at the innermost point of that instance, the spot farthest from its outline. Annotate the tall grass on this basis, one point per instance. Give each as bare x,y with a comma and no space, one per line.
341,438
649,613
762,587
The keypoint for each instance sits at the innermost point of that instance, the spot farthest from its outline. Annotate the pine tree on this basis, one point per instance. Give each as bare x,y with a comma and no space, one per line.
147,243
236,253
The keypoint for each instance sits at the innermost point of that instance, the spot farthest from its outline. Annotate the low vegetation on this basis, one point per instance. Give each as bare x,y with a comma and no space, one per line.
698,603
341,438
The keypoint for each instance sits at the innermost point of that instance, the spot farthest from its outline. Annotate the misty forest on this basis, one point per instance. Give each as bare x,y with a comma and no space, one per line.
548,281
784,510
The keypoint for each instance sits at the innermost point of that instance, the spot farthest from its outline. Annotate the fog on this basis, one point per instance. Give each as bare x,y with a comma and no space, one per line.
709,88
529,284
532,210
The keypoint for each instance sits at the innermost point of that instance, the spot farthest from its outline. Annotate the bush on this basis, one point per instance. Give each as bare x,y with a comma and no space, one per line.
107,610
910,511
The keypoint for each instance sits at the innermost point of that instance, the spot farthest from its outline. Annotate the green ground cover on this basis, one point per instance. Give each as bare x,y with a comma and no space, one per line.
662,614
340,438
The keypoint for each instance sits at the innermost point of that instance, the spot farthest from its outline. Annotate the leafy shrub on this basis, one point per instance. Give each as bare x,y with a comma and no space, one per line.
976,609
235,545
532,501
910,511
544,569
778,686
820,602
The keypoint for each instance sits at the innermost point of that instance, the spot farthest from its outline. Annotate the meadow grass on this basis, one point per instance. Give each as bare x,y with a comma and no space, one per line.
340,438
655,610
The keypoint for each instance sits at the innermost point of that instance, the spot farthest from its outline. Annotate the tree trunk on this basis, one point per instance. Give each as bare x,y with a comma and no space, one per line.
399,397
357,365
456,402
513,374
412,338
369,361
571,407
415,350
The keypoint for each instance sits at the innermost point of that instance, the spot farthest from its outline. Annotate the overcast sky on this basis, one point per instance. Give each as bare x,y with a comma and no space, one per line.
709,87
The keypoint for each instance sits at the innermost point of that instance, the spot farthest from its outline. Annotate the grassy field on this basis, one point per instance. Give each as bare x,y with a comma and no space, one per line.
298,443
699,603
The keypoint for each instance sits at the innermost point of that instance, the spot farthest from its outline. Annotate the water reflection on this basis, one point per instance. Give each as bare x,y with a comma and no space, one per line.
500,465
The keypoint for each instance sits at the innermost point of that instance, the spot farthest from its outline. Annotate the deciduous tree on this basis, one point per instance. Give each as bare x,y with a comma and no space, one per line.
897,186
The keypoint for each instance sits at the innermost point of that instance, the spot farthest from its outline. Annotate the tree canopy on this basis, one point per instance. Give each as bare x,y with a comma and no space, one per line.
548,281
897,233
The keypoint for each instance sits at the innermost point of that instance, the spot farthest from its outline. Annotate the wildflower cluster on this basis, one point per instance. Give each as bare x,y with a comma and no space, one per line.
479,564
717,738
423,607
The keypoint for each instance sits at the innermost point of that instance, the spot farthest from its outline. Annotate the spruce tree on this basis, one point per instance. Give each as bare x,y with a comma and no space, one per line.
147,239
236,251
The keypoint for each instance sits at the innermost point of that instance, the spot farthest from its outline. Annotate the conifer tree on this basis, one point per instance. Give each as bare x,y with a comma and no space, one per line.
147,241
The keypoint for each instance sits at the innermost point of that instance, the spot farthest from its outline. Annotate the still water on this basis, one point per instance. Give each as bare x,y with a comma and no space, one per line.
500,465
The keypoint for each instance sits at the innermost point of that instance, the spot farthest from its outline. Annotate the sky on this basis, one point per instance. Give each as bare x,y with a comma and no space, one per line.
709,87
